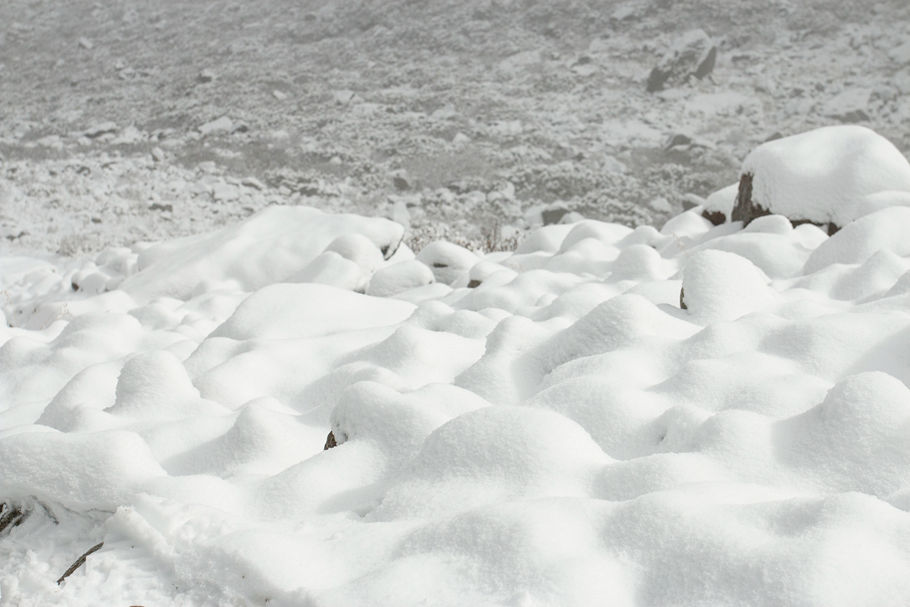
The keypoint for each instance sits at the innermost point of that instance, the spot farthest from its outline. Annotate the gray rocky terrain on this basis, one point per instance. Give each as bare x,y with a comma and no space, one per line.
125,120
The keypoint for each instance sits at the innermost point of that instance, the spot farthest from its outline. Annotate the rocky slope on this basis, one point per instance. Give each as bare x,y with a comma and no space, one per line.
122,121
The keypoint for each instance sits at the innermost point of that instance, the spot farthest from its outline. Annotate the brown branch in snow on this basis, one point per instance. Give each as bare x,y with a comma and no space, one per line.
79,562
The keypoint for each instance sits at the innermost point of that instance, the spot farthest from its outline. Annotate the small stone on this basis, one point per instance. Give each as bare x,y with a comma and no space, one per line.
104,128
553,216
217,126
86,44
343,97
252,182
205,76
224,192
330,442
157,154
677,139
400,183
279,95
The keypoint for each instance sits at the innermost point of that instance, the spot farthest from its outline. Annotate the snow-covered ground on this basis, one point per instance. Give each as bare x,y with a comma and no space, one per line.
299,410
123,120
219,389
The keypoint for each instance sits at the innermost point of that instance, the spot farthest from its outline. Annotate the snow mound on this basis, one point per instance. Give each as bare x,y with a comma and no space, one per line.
723,286
832,175
287,411
271,246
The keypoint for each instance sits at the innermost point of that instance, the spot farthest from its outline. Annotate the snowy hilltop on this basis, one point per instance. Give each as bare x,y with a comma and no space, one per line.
300,410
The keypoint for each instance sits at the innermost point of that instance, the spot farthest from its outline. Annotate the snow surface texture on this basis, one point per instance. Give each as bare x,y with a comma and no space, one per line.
123,121
543,427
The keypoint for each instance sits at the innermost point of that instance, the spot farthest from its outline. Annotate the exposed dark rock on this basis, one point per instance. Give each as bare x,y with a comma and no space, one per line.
330,442
773,136
474,283
401,184
388,250
744,208
707,64
682,300
853,116
677,139
693,55
715,217
11,515
551,216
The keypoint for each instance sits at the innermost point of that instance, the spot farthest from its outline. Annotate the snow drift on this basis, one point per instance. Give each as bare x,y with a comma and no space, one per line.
543,427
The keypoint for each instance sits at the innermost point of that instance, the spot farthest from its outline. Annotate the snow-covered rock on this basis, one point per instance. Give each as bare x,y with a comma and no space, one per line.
825,176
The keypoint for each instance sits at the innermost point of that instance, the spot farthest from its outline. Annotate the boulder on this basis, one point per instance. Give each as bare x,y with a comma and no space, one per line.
828,176
692,55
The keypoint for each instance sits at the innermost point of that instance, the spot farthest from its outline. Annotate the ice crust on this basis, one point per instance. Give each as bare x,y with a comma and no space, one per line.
560,432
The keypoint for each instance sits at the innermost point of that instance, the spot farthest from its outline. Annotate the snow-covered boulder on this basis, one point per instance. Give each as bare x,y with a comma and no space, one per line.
829,176
723,286
448,261
399,277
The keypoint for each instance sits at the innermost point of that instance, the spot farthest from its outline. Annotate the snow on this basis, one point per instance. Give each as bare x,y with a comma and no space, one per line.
541,427
825,175
186,320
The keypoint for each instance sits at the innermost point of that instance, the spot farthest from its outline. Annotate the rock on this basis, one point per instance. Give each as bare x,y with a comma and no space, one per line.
205,76
157,154
344,97
86,44
252,182
279,95
677,140
217,126
11,515
103,128
829,177
848,106
224,192
552,216
401,183
330,442
719,206
693,55
157,206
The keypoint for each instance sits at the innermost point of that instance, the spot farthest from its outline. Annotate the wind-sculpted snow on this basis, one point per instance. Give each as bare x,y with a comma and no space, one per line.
544,427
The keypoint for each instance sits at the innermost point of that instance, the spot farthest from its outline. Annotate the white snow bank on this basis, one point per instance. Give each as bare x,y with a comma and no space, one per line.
549,427
270,247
